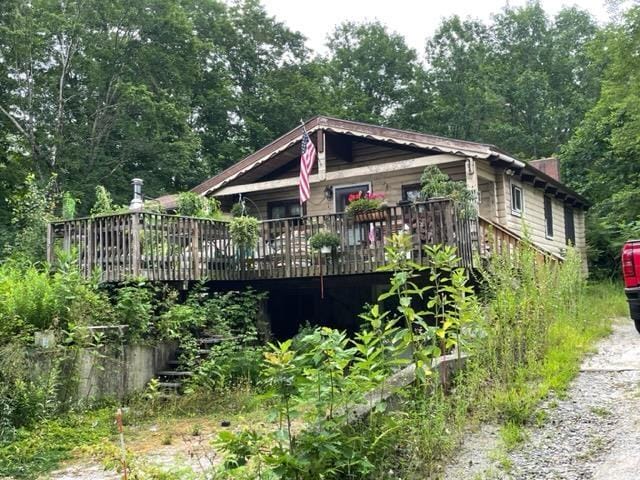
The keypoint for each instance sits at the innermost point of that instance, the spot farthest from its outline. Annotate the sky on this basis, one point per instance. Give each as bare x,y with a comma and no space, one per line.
414,19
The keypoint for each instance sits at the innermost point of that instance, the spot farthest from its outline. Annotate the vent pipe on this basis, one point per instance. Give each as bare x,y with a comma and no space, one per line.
137,203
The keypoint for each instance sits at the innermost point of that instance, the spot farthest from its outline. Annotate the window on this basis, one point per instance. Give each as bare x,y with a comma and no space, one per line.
548,217
341,194
569,226
284,209
411,192
516,199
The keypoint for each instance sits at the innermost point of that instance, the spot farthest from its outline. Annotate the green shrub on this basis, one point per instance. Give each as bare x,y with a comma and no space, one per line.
103,204
193,205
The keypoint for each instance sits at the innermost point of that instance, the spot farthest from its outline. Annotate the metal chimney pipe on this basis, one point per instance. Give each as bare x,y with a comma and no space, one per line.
137,203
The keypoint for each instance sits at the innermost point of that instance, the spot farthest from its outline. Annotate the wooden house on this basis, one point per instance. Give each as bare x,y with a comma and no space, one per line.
514,199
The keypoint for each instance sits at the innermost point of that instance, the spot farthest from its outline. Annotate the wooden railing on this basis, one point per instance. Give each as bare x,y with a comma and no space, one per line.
173,248
496,239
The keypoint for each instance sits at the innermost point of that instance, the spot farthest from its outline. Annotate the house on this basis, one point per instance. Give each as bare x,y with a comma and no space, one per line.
354,156
514,199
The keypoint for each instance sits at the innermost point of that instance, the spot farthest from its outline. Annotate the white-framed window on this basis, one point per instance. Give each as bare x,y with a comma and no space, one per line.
517,200
548,217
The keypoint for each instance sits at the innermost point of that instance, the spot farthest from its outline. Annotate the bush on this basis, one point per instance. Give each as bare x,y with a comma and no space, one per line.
193,205
34,298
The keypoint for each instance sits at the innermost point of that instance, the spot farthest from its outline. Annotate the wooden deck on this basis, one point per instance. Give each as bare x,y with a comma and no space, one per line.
172,248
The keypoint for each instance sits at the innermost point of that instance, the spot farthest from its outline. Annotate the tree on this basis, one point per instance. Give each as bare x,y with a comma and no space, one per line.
370,72
601,159
457,91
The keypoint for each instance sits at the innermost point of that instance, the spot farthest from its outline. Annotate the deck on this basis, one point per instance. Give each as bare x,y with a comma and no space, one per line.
171,248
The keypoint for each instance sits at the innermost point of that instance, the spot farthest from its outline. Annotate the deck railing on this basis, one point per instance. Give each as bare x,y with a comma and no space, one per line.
174,248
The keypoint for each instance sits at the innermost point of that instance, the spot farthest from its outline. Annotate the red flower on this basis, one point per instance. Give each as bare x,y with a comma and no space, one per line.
354,196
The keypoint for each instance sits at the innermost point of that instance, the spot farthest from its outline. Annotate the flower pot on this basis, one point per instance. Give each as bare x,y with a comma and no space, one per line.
370,216
325,249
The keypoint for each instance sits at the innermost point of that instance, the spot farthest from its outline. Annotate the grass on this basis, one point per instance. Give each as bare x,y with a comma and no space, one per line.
92,434
570,338
42,449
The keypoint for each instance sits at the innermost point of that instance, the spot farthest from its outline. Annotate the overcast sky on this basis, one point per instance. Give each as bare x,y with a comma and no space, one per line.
414,19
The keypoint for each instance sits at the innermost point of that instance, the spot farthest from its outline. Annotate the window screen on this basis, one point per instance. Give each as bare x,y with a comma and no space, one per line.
548,217
569,226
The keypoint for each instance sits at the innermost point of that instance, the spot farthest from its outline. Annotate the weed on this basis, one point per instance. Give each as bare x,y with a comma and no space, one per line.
512,434
600,411
167,438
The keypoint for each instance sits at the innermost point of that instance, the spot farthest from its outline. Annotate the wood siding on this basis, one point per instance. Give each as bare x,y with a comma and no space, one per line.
388,183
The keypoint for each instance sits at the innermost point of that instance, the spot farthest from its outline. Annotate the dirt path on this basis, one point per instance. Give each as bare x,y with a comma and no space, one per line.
593,433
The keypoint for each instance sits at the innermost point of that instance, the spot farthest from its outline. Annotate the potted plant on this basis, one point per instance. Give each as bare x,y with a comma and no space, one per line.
324,241
368,207
436,185
244,232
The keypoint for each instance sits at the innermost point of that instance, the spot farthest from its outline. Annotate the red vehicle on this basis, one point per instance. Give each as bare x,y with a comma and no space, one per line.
631,273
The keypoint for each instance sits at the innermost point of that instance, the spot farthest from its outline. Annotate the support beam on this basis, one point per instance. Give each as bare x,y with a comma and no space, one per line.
471,174
322,156
419,162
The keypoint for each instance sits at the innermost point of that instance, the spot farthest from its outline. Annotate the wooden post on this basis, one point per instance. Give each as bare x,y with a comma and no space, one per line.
135,244
322,157
195,249
287,249
50,255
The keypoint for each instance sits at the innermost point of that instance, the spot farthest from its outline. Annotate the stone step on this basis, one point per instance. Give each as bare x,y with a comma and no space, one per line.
173,362
211,339
174,373
170,385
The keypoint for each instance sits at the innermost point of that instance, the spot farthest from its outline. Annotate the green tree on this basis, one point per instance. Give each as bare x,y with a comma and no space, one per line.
370,72
601,159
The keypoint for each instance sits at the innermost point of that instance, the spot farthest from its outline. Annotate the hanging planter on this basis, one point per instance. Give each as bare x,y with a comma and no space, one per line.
377,215
369,207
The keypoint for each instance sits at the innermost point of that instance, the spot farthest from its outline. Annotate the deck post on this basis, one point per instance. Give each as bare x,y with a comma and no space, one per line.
50,243
135,243
322,156
195,249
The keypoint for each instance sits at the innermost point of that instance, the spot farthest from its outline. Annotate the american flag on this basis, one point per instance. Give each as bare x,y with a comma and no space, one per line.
307,158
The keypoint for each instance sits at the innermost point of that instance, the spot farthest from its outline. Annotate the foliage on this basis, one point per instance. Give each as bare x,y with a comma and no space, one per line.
324,238
103,204
362,203
238,209
600,160
134,307
31,453
244,231
232,317
436,183
32,207
329,374
33,298
68,206
193,205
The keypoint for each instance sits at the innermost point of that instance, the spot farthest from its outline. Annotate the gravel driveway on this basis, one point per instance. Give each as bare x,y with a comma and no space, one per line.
594,433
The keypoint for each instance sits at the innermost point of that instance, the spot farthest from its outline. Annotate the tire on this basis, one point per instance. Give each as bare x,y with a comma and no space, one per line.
637,322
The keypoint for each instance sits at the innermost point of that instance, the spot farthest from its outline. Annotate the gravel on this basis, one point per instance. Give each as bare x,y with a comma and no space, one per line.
592,433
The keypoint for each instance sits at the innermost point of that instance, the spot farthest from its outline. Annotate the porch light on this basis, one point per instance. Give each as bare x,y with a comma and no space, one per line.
137,203
328,192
